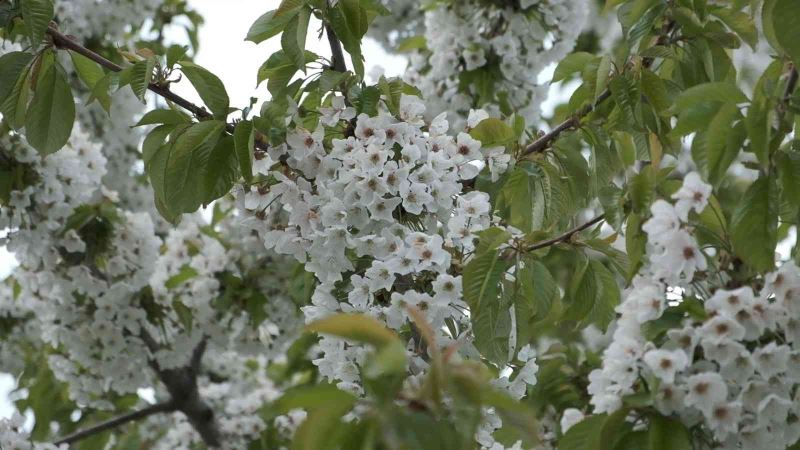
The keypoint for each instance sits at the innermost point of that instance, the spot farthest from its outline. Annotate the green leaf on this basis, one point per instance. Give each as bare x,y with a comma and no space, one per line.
788,165
574,62
330,80
786,20
15,104
482,277
412,43
525,197
163,116
720,151
176,53
321,427
754,226
209,87
293,40
355,327
141,74
311,398
491,325
536,293
221,170
186,165
185,274
493,132
722,92
585,435
740,23
655,90
51,114
37,15
668,434
268,26
244,140
12,66
89,71
367,101
278,70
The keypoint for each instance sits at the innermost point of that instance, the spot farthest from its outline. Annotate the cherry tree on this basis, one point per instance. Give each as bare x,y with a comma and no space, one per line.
433,261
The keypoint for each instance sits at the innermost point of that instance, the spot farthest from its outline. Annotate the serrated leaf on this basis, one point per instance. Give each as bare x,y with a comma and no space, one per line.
51,114
209,87
722,92
37,15
355,327
491,325
140,74
482,277
754,226
187,164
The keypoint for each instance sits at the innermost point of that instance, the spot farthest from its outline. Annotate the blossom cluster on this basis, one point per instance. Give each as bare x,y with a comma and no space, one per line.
482,55
720,368
381,220
14,437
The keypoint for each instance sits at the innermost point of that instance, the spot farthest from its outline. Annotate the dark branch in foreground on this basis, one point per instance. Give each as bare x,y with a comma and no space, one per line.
116,422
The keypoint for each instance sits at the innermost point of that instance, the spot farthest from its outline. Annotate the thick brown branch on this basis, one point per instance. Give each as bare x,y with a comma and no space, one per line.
116,422
563,237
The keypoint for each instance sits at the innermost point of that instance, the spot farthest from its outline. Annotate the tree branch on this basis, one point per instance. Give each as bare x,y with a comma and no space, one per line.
63,41
115,422
546,140
563,237
337,56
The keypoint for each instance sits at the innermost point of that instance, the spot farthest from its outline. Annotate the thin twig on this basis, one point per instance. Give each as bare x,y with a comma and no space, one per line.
563,237
546,140
115,422
63,41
